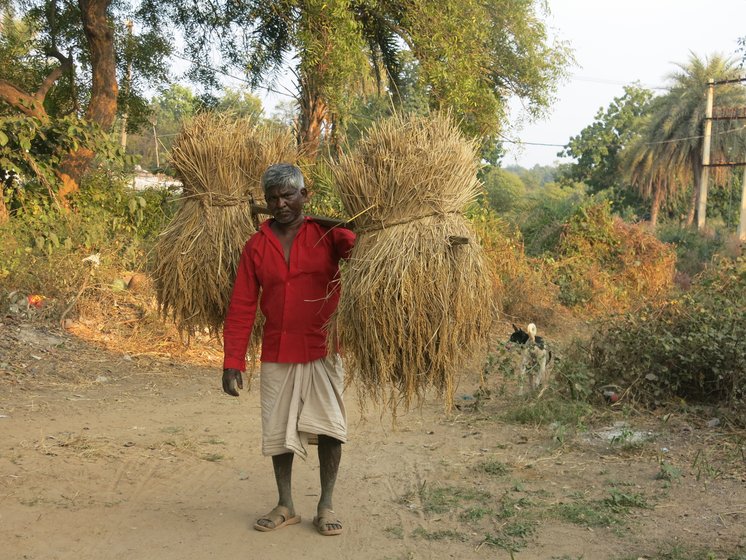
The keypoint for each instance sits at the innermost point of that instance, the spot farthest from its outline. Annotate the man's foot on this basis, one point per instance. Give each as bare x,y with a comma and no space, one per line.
326,523
276,519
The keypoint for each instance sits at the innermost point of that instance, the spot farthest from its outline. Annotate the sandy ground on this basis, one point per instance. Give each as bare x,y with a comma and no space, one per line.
108,455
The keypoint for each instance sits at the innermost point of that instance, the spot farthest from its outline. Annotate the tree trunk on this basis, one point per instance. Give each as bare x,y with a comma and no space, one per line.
692,214
313,113
4,215
655,207
102,108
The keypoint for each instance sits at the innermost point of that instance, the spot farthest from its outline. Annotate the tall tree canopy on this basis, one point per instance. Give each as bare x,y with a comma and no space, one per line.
472,55
598,146
68,59
666,158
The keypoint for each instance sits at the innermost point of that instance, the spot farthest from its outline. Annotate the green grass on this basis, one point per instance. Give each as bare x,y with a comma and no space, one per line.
395,531
472,514
442,499
511,537
606,512
492,467
547,411
448,534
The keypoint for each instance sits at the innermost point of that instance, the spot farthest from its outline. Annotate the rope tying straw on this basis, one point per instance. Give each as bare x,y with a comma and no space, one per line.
385,225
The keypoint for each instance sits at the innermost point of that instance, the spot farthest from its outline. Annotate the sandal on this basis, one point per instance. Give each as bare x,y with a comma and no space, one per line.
278,518
326,523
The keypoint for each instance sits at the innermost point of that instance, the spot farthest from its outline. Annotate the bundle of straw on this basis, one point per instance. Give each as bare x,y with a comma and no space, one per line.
220,160
415,306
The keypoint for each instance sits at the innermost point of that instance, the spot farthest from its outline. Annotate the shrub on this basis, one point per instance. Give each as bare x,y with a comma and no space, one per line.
690,347
526,292
41,247
605,265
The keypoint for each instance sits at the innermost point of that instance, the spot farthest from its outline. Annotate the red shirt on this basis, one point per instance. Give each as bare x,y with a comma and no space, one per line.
297,298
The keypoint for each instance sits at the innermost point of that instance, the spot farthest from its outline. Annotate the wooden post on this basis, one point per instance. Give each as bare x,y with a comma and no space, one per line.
705,177
742,222
157,155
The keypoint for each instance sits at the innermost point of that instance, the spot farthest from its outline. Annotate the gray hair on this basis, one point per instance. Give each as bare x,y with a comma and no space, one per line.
282,175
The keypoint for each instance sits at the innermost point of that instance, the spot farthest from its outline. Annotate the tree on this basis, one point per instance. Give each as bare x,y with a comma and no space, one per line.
168,110
172,106
504,189
598,146
70,66
666,158
472,55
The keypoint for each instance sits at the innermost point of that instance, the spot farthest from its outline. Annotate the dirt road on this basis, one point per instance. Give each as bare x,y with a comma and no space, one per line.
106,455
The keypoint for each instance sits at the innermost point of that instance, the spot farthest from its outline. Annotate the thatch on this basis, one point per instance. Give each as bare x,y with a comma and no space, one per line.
220,160
415,307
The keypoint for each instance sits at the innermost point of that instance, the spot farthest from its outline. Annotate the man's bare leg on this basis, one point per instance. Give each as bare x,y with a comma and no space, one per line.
330,454
283,466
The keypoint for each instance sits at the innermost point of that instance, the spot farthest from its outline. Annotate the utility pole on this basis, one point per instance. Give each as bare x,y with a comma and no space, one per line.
742,221
705,176
127,86
155,142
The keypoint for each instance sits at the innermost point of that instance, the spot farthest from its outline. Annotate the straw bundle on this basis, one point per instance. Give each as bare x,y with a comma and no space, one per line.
415,306
220,160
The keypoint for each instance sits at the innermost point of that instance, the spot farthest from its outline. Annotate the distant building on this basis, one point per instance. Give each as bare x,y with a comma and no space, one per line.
142,180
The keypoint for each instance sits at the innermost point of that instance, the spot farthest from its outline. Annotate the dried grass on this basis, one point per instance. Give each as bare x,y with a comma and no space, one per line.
415,309
220,160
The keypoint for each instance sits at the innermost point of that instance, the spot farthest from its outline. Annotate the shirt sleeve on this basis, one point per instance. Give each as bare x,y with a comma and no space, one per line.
344,241
239,319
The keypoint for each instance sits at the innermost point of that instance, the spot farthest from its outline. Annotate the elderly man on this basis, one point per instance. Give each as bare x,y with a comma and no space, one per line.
293,261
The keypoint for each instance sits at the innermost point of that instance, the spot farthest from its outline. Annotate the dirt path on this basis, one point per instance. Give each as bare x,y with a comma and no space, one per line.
105,455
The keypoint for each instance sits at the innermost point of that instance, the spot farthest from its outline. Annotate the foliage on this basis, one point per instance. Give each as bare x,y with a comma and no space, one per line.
41,248
32,149
536,177
666,157
53,31
606,265
545,211
471,56
525,291
504,189
597,147
693,250
689,347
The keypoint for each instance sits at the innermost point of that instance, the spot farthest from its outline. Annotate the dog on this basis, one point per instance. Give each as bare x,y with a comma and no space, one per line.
535,356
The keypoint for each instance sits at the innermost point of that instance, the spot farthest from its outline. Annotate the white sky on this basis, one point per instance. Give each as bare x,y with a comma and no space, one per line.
618,43
614,44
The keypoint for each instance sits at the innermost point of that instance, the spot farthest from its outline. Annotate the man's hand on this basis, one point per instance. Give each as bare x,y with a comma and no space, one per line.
232,381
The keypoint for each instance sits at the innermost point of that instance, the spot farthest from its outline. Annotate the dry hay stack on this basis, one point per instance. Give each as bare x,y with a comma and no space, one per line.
415,307
220,160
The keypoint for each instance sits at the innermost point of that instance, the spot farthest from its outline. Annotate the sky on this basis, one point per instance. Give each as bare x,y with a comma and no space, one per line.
618,43
614,44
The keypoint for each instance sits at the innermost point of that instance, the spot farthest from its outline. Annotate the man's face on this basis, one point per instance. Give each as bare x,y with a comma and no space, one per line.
286,203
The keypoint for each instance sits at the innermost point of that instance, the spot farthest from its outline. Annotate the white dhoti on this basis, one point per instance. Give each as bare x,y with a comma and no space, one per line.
301,402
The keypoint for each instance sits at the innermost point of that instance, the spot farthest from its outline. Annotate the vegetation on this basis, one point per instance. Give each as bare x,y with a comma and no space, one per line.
689,347
468,56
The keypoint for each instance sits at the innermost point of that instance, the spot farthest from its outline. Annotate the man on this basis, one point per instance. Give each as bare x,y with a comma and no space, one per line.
293,261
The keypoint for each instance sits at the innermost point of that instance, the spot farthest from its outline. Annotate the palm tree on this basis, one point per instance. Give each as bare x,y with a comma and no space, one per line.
666,159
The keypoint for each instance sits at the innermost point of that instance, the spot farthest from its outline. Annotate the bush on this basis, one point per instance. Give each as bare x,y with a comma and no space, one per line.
693,250
690,347
41,247
606,265
526,293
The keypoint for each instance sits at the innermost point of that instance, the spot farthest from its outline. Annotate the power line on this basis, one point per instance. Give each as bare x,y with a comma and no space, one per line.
224,73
